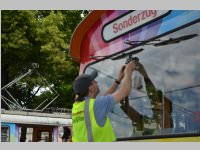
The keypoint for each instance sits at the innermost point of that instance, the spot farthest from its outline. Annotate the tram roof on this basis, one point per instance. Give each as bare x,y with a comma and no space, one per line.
21,117
80,31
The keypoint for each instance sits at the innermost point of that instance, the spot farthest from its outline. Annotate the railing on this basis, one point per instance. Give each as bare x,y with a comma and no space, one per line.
57,110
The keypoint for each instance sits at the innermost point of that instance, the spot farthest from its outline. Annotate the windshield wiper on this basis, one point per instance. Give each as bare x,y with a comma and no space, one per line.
176,40
119,56
123,54
133,43
162,43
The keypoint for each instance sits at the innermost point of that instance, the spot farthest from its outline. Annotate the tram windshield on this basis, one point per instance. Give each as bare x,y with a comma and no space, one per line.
165,95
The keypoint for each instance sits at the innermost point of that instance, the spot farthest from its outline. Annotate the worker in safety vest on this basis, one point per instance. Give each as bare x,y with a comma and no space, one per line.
89,113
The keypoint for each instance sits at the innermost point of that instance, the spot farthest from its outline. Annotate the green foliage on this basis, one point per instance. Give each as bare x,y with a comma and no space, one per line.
43,37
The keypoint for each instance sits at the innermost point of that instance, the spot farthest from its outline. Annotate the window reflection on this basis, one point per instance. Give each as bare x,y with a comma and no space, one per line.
165,97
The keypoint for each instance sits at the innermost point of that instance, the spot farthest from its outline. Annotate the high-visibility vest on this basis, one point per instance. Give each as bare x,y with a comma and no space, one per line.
79,130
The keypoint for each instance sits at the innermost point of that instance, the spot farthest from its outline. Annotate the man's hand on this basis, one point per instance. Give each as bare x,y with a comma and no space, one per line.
126,83
121,73
113,87
130,67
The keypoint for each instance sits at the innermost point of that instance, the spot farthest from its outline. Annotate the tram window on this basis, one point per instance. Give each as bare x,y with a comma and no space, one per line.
28,136
67,135
5,134
44,136
168,101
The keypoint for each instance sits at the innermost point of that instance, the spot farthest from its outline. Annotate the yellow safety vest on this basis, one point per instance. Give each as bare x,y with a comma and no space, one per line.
79,130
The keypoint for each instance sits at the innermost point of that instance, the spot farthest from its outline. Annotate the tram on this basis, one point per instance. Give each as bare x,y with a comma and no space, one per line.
21,126
164,103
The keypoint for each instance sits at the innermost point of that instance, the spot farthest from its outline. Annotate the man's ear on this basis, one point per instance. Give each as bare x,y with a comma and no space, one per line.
90,89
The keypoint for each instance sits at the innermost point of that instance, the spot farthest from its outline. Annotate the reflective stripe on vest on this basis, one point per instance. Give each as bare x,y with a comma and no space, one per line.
87,121
79,130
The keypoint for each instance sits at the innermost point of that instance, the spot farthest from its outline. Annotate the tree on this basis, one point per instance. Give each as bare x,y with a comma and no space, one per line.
41,37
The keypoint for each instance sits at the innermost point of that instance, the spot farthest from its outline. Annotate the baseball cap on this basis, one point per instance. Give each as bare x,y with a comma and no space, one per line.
82,82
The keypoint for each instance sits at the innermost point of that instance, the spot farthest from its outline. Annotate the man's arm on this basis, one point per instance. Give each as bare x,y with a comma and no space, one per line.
126,83
113,87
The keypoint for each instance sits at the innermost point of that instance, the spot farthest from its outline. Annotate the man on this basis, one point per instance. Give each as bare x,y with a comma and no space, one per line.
89,112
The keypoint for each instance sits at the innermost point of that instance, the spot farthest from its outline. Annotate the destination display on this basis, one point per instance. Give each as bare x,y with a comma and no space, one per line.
130,22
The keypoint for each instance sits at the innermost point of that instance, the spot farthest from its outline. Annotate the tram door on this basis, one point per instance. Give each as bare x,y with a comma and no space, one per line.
42,134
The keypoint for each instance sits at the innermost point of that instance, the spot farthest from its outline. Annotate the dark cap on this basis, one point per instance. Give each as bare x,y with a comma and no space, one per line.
82,83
